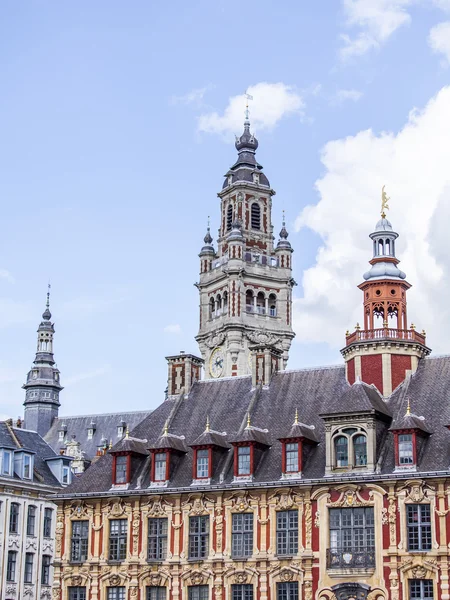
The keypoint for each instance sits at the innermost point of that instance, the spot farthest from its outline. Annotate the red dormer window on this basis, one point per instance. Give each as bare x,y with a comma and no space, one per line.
121,468
292,457
160,466
243,460
202,463
405,448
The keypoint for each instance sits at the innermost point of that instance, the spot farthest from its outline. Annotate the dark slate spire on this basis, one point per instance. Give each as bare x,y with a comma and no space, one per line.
42,385
283,241
208,248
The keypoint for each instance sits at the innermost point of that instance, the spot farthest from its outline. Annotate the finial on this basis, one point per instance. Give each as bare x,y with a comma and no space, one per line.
408,409
247,112
284,218
207,428
127,433
110,444
166,428
357,326
384,202
47,305
296,417
412,326
248,419
47,315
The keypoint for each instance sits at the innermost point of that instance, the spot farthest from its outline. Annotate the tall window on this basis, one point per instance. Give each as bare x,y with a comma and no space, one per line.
31,520
198,537
77,593
11,566
116,593
66,475
244,460
360,450
255,216
202,464
418,521
198,592
121,469
26,466
287,591
48,514
14,518
242,535
155,592
45,575
160,466
229,217
420,589
352,538
341,451
405,449
7,463
117,539
79,541
157,539
292,456
242,592
28,571
287,532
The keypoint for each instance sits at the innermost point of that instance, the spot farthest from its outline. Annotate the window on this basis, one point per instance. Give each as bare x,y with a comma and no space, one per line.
28,571
61,436
14,518
121,469
272,305
405,449
243,460
48,513
45,576
120,429
66,475
420,589
157,539
352,538
292,456
31,520
77,593
115,593
160,466
156,593
242,592
198,592
360,450
11,566
229,217
418,521
255,216
79,541
287,591
287,532
202,464
198,537
117,539
242,535
90,433
7,463
341,450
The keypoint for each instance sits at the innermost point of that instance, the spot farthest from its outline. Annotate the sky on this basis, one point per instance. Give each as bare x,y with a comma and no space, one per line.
117,124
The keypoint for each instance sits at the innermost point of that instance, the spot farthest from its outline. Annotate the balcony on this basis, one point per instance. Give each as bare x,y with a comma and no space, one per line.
358,558
385,333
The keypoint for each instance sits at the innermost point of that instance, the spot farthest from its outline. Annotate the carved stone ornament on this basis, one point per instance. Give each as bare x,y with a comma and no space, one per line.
14,541
31,543
10,590
56,593
351,498
116,507
317,519
419,572
264,338
133,592
28,591
196,578
46,594
76,580
240,501
307,590
285,499
196,505
115,580
157,508
155,580
240,577
215,339
79,509
286,575
47,547
415,491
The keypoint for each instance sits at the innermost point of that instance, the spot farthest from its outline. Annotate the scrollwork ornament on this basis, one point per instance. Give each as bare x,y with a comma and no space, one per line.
286,575
240,577
317,519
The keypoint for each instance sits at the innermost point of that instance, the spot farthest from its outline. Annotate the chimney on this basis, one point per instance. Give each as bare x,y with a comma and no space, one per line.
265,362
183,371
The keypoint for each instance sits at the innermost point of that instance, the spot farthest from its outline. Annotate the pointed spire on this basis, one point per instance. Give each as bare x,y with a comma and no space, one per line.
408,409
208,427
208,239
296,417
283,241
47,315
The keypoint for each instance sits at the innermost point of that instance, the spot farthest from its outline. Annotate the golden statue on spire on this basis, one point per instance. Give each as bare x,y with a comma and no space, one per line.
384,202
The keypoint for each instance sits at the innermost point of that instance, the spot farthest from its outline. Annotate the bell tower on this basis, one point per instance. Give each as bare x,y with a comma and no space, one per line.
385,349
245,284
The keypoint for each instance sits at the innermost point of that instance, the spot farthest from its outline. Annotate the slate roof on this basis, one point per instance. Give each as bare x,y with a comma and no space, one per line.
313,392
105,427
15,438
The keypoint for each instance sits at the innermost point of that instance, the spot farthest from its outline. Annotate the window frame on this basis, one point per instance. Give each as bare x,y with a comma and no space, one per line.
198,592
10,455
14,512
118,540
11,566
399,450
160,592
121,465
45,569
198,538
421,584
285,456
424,528
208,457
347,453
242,535
116,592
47,522
290,533
27,466
28,567
31,521
77,592
255,216
352,541
242,591
238,465
79,541
165,461
157,541
287,590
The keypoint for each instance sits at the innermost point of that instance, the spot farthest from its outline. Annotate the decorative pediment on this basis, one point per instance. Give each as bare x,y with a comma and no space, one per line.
285,499
280,573
351,498
149,577
116,507
416,490
240,576
198,505
215,339
264,338
419,568
240,501
196,576
80,510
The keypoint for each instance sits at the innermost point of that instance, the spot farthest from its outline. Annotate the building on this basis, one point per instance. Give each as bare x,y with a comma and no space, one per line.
259,483
30,471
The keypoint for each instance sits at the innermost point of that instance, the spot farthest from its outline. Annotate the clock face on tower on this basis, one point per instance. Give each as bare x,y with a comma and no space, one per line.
216,361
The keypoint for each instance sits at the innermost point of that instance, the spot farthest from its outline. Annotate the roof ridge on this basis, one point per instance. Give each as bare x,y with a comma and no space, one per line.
316,368
232,378
13,435
119,414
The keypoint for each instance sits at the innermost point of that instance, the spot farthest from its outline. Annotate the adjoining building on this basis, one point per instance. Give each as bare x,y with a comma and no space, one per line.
260,483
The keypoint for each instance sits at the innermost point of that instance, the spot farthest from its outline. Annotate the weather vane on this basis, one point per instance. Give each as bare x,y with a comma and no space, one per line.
247,97
384,202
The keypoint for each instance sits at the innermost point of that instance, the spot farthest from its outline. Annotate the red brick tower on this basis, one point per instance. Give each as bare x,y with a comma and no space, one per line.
385,350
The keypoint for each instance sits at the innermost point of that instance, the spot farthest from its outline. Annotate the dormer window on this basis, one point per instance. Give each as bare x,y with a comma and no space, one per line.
61,436
405,449
90,433
202,463
27,473
7,462
208,448
292,457
121,469
120,430
160,466
341,451
243,458
65,475
350,448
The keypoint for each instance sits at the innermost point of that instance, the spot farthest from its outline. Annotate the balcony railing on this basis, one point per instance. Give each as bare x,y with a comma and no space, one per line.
385,333
358,558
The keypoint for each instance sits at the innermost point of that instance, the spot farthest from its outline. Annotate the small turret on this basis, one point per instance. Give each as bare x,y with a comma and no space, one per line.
207,253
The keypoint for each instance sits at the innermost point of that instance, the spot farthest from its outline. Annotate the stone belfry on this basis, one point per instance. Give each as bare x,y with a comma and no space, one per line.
43,380
246,283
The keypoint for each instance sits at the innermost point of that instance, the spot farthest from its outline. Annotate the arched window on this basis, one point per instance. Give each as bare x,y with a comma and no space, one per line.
260,304
249,301
387,247
255,211
225,303
380,247
218,305
212,308
229,217
272,305
341,451
360,450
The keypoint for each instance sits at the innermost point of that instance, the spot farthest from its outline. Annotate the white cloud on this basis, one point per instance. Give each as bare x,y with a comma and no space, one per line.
271,102
344,95
174,328
442,4
94,373
193,97
439,40
413,164
377,20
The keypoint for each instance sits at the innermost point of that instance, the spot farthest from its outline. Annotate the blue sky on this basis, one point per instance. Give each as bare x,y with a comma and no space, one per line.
117,124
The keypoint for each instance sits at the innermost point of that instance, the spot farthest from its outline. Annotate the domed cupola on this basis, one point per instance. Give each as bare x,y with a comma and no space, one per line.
384,262
247,142
283,241
208,248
